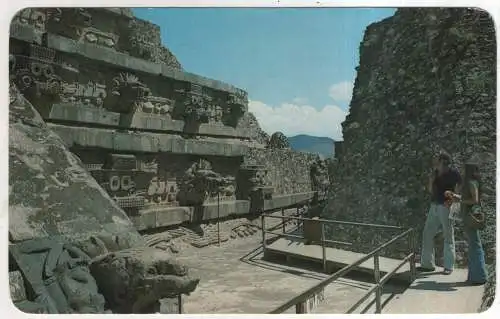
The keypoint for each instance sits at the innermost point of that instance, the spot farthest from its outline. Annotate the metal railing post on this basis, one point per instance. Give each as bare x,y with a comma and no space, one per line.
263,232
300,307
378,291
323,245
218,218
179,303
299,222
412,244
283,220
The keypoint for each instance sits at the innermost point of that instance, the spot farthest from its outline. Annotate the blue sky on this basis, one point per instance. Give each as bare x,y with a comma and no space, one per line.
297,64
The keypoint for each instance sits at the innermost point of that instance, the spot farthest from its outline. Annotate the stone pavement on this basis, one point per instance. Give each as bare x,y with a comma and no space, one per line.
235,279
435,293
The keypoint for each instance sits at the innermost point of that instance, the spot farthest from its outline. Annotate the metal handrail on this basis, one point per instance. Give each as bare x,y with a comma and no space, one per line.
379,285
299,300
338,222
301,237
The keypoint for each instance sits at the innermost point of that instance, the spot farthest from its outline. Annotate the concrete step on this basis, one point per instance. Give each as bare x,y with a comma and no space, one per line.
294,249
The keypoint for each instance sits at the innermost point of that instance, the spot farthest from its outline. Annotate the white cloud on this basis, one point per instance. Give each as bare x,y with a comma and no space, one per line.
300,100
293,119
342,91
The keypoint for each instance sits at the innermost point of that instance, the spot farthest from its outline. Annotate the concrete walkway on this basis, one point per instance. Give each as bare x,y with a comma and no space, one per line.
435,293
431,293
337,258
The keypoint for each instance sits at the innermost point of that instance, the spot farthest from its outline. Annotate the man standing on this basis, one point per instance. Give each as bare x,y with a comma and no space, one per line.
444,178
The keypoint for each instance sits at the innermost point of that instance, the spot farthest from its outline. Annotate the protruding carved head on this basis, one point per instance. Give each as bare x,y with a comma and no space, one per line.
128,90
134,280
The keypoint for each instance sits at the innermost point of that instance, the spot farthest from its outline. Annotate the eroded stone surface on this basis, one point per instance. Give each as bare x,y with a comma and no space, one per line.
134,280
17,288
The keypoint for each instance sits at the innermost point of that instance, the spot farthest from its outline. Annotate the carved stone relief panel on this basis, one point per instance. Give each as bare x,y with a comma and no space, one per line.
58,276
143,40
193,104
216,106
135,182
200,184
127,92
157,105
253,183
78,24
36,76
237,105
35,17
48,77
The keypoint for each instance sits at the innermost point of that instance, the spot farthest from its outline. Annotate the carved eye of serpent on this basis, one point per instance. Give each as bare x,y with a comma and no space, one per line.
48,71
26,80
36,69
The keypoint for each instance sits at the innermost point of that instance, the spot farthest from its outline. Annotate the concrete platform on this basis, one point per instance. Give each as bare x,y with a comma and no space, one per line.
435,293
336,258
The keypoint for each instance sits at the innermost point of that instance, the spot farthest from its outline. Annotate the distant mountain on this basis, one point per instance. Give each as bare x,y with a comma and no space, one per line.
313,144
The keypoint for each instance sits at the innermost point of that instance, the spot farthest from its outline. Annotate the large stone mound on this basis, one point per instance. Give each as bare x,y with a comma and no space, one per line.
426,81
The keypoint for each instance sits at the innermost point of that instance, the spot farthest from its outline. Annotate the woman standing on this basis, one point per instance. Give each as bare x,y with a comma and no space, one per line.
470,207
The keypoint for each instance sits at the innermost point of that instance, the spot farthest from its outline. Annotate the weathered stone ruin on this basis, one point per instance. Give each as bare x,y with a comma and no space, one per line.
64,229
115,152
426,81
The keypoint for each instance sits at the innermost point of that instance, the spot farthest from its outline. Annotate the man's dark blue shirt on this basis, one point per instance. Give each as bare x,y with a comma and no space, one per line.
445,182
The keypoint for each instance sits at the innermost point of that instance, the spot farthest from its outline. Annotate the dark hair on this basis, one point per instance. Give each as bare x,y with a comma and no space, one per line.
444,157
472,173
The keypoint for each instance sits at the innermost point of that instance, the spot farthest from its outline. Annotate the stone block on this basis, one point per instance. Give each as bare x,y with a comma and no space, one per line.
70,112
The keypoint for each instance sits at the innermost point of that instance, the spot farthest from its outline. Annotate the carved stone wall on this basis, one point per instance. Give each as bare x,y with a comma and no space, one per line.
113,28
48,186
67,87
287,171
156,181
107,135
426,80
